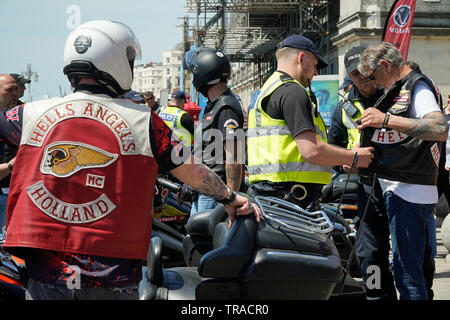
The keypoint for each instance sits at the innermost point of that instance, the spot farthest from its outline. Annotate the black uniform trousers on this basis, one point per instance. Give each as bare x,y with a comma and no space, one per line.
372,247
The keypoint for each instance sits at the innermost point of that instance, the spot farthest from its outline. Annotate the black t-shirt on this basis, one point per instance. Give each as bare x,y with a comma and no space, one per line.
187,122
291,103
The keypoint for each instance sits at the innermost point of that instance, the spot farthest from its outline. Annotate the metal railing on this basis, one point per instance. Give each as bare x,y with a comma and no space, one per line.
292,217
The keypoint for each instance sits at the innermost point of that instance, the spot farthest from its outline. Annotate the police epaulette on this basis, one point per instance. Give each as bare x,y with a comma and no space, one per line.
350,108
285,77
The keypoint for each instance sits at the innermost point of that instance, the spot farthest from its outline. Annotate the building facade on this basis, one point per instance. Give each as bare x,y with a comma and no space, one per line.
361,22
161,78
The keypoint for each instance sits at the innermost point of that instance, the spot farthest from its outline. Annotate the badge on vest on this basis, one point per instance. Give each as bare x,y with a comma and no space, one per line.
401,102
166,116
388,137
435,153
69,212
63,159
230,125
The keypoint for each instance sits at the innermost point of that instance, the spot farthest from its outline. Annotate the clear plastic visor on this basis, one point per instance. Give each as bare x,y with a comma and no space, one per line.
189,61
133,48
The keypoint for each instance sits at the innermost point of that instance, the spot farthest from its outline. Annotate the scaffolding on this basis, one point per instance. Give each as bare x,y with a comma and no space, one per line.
249,30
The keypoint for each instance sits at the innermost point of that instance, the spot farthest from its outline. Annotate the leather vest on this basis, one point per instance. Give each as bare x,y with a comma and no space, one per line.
208,135
84,178
8,151
400,157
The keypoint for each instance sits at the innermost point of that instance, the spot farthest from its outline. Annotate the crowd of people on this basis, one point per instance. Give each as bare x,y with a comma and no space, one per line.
78,204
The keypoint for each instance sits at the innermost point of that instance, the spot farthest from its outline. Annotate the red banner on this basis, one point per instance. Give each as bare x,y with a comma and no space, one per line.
398,27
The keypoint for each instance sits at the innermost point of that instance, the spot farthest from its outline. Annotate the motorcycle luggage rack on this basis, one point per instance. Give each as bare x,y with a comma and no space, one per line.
292,217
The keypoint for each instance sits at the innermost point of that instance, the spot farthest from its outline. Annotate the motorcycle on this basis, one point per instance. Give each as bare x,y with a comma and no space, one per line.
290,254
12,275
172,203
342,194
172,208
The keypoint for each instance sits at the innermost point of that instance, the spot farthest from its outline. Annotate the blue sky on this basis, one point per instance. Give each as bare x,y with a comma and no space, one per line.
34,31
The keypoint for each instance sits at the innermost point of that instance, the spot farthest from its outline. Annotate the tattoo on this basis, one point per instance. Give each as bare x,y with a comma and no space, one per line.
234,174
213,186
432,127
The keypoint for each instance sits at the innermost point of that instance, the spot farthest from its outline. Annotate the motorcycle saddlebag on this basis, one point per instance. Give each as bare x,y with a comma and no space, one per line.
291,265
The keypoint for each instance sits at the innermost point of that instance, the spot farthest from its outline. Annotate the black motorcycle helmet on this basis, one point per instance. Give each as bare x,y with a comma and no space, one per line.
208,67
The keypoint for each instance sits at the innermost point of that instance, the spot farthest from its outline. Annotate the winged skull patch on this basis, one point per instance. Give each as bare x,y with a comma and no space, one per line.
62,159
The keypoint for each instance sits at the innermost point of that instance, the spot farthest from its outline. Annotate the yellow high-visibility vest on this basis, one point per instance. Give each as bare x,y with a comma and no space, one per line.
172,117
352,127
273,154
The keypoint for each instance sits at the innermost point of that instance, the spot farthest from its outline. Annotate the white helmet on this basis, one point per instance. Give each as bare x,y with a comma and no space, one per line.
104,51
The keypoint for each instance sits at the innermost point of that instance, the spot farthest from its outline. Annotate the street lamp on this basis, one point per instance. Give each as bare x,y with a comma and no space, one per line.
28,74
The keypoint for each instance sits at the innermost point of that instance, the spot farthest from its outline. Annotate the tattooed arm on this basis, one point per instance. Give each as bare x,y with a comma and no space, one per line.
205,181
432,127
234,171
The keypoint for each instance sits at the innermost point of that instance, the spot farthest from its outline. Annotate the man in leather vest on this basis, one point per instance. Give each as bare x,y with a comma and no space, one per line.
8,99
288,153
406,127
372,248
219,136
81,213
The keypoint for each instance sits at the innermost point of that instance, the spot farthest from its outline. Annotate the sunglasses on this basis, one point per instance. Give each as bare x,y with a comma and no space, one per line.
148,99
372,75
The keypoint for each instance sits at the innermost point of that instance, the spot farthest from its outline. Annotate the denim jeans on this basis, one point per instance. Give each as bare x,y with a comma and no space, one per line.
203,203
431,223
408,228
3,201
37,290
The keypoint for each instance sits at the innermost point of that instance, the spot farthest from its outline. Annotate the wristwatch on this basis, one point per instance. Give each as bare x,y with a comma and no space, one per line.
226,201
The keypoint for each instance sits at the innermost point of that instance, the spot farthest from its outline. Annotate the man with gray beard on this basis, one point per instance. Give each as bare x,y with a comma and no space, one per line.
406,127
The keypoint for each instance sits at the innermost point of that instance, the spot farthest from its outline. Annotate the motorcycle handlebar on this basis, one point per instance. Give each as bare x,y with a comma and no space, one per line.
172,186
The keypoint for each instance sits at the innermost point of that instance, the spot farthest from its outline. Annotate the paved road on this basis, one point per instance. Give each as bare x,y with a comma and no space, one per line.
441,284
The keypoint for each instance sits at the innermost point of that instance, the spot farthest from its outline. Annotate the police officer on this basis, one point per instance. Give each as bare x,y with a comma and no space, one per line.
288,153
219,136
82,209
373,244
177,119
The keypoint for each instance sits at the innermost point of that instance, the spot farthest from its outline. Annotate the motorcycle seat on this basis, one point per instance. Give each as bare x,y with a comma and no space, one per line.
228,260
333,191
203,224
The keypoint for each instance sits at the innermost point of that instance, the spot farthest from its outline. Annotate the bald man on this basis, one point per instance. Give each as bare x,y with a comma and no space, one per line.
8,99
8,91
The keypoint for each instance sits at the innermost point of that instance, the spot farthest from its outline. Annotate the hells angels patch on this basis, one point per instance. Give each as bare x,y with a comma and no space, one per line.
62,159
